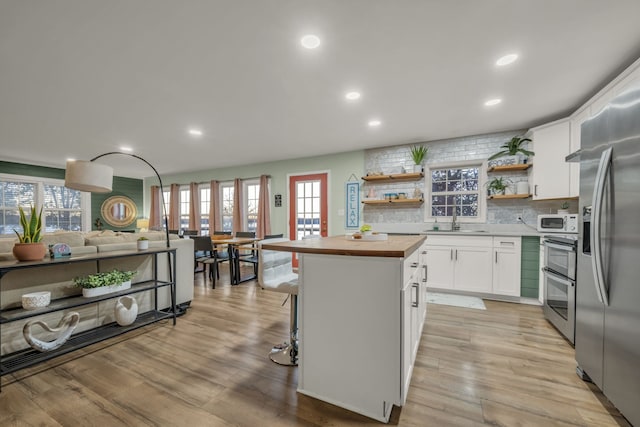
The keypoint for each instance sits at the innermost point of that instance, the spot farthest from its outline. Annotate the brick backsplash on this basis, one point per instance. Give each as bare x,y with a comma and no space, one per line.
394,158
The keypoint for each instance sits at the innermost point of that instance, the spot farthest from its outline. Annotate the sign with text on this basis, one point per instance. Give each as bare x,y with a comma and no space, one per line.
352,191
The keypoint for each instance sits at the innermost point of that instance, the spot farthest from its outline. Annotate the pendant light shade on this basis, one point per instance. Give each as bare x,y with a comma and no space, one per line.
88,176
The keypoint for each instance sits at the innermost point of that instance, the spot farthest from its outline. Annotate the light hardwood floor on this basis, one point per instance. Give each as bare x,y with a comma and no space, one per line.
504,366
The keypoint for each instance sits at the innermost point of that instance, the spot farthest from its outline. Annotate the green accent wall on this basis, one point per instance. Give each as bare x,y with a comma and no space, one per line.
530,267
130,187
339,166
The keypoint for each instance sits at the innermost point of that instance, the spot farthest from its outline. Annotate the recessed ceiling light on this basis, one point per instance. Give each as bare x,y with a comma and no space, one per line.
195,132
493,102
507,59
352,96
71,159
374,123
125,148
310,41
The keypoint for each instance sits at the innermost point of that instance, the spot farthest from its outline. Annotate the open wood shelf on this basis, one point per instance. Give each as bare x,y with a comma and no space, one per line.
392,201
509,196
394,177
509,168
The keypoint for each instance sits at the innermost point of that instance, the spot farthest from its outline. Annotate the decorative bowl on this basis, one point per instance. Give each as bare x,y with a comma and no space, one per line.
35,300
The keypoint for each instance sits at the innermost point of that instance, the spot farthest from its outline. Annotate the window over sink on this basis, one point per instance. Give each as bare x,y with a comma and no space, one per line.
455,187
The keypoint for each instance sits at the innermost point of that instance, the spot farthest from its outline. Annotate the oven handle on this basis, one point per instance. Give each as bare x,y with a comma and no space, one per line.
566,248
557,277
598,193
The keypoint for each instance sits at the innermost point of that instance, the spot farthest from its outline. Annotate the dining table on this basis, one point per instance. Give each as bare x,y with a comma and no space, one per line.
234,260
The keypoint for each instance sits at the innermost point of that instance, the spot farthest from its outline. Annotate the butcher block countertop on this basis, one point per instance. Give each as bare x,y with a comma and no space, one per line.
394,247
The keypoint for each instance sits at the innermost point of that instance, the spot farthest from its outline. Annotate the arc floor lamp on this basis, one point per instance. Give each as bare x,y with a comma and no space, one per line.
95,177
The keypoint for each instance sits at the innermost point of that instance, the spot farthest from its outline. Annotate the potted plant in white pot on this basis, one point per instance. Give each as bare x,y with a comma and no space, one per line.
418,153
104,283
498,186
30,247
143,243
513,152
564,208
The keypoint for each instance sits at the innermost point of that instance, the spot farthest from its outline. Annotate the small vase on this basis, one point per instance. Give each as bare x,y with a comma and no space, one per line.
126,310
29,251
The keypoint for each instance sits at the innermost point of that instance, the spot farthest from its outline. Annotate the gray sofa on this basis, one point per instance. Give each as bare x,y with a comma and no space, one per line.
58,279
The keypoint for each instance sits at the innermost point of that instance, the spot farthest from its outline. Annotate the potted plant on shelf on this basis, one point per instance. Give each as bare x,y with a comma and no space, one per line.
564,208
30,247
418,153
513,152
143,243
104,283
498,186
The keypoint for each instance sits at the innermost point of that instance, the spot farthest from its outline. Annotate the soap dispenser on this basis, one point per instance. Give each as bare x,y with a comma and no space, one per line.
436,227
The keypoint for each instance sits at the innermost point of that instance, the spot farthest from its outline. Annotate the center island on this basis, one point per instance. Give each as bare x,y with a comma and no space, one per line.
362,305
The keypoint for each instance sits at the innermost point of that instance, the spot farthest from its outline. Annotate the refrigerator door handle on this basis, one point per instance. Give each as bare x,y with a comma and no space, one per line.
598,200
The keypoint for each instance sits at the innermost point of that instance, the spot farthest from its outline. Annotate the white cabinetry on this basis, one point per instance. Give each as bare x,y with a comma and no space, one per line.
506,266
360,322
414,308
480,264
574,168
550,174
461,263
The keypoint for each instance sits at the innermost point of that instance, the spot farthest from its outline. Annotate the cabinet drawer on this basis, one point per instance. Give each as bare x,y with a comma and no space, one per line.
449,240
507,243
411,266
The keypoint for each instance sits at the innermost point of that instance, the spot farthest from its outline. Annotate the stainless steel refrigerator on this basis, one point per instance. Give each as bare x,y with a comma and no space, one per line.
607,334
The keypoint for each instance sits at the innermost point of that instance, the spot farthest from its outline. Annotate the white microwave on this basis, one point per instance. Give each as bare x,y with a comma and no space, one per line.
558,223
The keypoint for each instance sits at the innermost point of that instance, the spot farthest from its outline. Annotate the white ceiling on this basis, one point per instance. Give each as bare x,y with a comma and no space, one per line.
82,77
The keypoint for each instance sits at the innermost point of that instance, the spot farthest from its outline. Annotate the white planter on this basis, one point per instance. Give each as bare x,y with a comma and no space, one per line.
102,290
143,245
126,310
417,168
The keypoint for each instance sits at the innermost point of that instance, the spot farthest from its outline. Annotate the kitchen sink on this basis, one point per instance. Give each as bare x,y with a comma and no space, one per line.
456,231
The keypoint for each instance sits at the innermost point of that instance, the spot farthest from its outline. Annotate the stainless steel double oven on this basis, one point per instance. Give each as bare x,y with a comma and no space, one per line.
560,282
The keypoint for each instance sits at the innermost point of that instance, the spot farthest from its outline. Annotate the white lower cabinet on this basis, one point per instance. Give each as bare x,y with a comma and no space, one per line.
506,266
481,264
414,307
472,269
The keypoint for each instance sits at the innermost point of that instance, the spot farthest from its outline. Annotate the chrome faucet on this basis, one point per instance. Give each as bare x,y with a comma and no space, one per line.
454,223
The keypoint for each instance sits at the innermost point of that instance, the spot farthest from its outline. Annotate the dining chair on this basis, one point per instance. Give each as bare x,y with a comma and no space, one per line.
219,256
242,255
202,251
274,236
275,273
190,232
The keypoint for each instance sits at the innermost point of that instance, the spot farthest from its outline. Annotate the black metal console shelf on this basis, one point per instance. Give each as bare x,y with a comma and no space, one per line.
28,357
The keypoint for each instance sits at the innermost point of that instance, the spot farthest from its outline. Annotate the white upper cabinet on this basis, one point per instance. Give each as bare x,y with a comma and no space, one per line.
550,175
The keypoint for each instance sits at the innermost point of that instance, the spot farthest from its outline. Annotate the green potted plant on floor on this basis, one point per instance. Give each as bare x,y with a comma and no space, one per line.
104,282
418,153
30,247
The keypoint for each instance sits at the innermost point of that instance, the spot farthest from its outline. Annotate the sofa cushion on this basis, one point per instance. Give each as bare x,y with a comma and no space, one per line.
6,245
71,238
101,240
